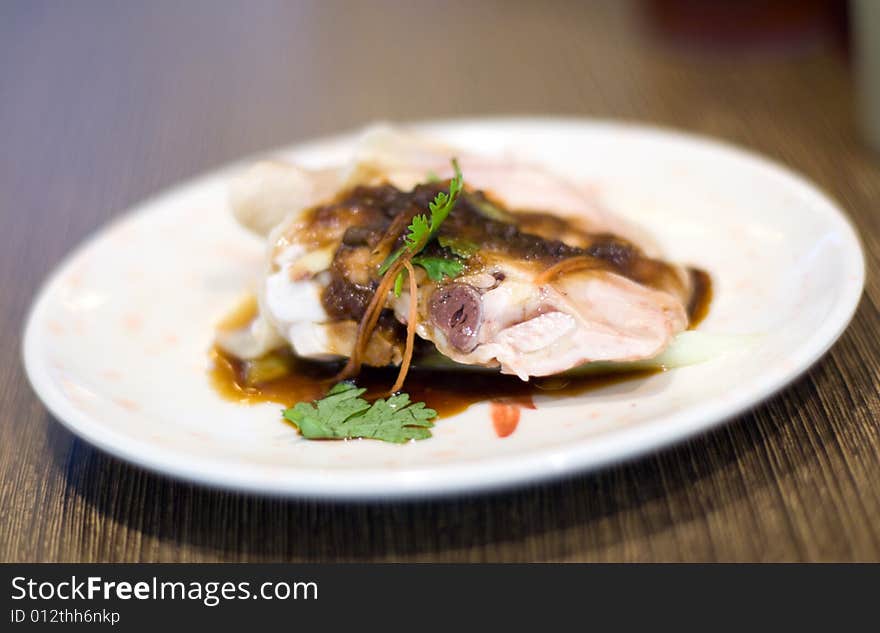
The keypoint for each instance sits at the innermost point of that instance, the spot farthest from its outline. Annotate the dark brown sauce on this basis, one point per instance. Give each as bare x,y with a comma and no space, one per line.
375,219
701,297
446,392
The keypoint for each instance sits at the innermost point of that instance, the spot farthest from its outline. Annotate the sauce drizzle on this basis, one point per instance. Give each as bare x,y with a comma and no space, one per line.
701,297
447,392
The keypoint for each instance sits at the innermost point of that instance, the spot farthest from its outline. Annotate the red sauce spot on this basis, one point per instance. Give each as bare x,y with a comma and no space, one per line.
505,417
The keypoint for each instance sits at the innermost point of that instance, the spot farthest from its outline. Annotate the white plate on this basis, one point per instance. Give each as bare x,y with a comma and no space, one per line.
116,341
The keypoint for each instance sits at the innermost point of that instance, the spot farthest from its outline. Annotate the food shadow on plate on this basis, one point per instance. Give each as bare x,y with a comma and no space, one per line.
151,517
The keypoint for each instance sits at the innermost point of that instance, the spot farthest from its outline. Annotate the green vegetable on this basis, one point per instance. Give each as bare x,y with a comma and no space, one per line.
398,284
458,245
265,369
343,414
489,210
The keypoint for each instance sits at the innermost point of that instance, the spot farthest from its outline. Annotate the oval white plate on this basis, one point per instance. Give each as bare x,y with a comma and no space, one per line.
116,341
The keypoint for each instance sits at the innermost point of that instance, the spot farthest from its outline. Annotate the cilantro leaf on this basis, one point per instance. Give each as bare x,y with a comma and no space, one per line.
443,203
340,403
436,267
439,267
421,230
394,420
343,414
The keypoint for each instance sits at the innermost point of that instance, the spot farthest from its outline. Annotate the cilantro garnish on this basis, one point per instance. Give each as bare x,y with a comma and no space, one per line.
436,267
439,267
422,229
419,231
343,414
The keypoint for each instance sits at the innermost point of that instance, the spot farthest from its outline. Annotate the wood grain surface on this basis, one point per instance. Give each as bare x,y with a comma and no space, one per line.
102,104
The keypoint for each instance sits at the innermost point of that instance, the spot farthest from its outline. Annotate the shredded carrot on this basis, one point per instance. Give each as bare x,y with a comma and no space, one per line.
392,234
369,320
377,302
441,206
578,262
410,328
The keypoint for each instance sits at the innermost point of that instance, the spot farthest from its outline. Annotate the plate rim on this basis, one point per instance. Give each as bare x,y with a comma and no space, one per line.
481,475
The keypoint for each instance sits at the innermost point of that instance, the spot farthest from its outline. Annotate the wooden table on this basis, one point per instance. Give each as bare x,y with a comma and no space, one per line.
102,105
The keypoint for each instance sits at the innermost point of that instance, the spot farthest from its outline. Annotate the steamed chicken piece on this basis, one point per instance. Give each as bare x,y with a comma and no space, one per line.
503,316
501,312
321,276
605,301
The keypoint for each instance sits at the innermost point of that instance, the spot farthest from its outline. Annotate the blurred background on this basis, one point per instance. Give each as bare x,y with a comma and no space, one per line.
104,103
